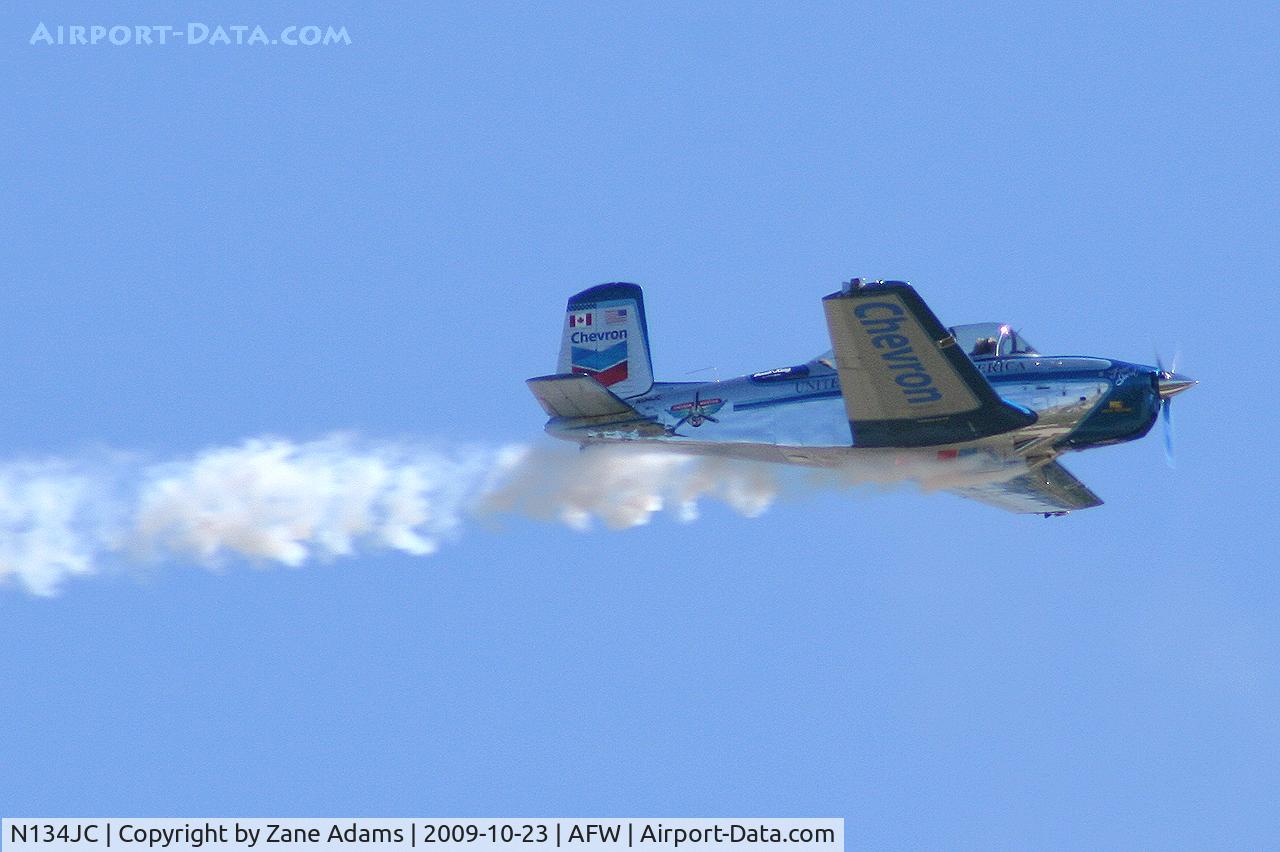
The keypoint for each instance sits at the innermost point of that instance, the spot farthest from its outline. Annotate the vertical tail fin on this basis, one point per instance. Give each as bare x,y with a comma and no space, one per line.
605,337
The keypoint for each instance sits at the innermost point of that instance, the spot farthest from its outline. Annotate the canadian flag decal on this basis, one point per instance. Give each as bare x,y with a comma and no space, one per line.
576,320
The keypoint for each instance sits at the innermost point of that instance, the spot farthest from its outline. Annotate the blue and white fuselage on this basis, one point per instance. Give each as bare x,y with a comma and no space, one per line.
802,407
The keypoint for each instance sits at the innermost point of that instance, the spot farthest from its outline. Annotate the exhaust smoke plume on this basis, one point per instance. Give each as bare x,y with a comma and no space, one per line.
277,501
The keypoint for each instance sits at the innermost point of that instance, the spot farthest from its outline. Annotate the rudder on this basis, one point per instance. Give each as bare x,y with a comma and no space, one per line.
605,337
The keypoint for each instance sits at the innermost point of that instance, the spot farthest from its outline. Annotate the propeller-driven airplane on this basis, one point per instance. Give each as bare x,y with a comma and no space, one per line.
896,383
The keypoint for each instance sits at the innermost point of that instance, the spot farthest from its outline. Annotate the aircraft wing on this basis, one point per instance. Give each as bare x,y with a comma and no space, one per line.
1048,488
905,382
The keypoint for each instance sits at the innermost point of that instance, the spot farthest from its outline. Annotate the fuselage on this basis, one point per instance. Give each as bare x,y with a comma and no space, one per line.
797,414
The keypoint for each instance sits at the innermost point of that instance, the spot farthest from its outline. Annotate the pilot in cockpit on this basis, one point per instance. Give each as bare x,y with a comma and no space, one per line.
985,346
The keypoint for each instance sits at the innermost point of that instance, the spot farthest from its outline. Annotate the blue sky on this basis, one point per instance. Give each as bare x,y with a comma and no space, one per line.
206,244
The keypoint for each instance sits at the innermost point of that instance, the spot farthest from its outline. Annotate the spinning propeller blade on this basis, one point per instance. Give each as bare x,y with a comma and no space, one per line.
1169,383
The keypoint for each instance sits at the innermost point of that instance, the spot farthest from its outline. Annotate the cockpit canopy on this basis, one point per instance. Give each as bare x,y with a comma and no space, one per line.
991,340
977,340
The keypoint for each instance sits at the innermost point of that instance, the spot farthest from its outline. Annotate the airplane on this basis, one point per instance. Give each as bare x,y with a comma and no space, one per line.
896,384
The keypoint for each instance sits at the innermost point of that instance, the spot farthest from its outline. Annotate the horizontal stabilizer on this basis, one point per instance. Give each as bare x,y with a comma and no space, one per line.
1050,488
577,401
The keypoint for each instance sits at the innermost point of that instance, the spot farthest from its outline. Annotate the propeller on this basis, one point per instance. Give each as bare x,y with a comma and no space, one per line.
1169,383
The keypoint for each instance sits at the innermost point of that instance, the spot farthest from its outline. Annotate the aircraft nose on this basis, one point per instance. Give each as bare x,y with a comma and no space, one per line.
1169,384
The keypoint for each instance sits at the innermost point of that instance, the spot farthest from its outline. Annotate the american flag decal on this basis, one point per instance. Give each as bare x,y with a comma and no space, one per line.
613,316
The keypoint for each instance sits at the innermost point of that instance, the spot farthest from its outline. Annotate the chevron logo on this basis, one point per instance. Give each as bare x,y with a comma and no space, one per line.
606,366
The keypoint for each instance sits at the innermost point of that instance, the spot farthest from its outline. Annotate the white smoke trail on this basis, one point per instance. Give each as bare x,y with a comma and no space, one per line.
278,501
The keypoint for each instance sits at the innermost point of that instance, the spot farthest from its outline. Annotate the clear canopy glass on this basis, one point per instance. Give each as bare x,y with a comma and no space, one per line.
991,340
977,340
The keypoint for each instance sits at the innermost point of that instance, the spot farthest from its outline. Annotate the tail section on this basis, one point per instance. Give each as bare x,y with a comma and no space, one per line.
605,337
